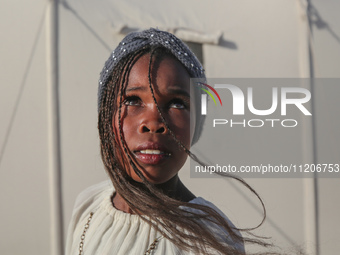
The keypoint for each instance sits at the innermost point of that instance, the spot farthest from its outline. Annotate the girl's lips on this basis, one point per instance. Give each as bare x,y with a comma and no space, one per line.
151,157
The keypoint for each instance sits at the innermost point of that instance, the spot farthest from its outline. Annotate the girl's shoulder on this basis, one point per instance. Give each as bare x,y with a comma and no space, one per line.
204,202
92,196
219,231
87,202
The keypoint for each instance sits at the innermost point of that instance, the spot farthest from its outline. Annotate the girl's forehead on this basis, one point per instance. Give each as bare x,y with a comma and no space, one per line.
165,70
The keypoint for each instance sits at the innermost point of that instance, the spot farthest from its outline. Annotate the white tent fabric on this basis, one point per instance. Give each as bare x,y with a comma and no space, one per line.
263,38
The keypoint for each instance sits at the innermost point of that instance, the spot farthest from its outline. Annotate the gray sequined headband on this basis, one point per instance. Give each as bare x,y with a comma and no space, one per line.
153,37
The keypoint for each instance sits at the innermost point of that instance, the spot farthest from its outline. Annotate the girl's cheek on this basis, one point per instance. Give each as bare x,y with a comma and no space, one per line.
181,125
133,112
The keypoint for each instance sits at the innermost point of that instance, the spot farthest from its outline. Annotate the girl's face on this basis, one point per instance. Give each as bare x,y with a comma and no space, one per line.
147,137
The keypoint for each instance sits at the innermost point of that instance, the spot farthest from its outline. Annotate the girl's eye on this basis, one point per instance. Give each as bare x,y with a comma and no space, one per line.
178,104
132,101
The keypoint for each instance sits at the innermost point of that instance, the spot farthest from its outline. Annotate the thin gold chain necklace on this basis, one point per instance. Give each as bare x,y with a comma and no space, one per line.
87,225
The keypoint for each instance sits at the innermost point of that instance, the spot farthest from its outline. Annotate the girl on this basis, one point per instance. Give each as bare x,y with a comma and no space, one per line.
145,108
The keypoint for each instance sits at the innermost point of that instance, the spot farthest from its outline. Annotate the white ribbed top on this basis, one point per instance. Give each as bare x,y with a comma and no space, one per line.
115,232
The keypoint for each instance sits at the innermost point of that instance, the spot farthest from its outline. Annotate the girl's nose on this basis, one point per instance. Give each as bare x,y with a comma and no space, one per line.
152,123
153,128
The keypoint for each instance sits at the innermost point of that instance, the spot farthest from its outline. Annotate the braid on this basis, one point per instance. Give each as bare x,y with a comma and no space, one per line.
179,143
126,151
189,153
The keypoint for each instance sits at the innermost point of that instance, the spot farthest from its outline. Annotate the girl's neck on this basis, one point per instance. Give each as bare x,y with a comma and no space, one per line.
174,188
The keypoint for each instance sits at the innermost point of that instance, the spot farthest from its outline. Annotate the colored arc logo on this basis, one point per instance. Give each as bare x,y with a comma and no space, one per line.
209,93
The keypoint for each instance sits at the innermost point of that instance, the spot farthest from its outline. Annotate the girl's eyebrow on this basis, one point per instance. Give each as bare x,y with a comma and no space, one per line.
136,88
179,91
173,91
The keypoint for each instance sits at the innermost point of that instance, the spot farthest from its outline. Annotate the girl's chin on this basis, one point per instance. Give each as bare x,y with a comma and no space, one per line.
154,178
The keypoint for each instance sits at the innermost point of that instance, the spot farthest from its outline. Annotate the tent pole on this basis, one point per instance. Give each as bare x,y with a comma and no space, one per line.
310,183
56,216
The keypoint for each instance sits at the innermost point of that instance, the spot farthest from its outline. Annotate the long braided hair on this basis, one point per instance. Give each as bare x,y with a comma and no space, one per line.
173,218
